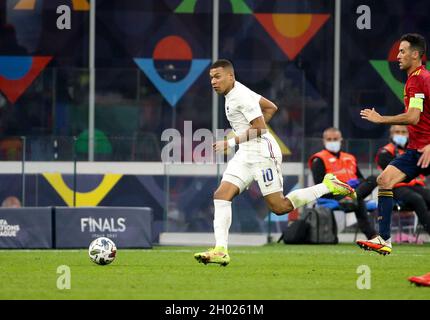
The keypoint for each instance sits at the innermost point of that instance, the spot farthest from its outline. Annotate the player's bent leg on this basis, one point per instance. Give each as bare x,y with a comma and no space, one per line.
301,197
281,204
386,180
278,203
390,177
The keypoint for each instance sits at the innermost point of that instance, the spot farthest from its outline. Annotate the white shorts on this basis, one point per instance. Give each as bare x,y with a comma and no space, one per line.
266,172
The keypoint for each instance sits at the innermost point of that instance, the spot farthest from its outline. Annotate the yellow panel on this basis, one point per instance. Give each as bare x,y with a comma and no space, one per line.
284,149
81,5
91,198
25,5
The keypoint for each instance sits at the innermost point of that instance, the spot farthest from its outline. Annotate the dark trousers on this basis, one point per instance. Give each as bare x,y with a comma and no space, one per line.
364,189
418,199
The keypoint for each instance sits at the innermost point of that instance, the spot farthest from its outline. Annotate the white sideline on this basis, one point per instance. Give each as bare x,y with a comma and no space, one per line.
235,239
207,239
132,168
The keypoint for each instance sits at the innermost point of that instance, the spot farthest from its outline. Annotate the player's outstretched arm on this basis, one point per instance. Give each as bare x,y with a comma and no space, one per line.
410,117
268,108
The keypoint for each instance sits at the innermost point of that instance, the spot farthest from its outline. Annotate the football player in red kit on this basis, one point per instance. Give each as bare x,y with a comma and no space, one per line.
416,116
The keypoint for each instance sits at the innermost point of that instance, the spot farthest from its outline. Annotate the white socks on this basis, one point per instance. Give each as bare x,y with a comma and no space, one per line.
301,197
222,222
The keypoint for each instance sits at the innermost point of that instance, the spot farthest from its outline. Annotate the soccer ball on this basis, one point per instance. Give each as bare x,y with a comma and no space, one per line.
102,251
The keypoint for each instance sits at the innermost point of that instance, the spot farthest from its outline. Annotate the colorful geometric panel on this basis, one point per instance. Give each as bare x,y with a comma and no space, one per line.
292,31
91,198
78,5
172,50
172,91
238,7
18,72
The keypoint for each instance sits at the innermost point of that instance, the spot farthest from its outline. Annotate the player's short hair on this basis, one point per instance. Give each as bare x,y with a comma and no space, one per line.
222,63
417,42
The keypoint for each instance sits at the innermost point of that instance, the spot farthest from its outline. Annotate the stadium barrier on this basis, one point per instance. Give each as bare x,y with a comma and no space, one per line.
63,227
28,228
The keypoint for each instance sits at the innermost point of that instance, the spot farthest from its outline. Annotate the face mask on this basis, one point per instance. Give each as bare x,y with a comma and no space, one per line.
400,140
333,146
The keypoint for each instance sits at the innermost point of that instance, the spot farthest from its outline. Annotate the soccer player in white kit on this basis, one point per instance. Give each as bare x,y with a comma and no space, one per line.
258,158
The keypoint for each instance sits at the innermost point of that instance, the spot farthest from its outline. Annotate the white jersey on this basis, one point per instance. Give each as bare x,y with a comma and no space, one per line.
242,105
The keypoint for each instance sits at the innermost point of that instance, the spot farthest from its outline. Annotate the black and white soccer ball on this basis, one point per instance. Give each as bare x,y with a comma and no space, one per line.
102,251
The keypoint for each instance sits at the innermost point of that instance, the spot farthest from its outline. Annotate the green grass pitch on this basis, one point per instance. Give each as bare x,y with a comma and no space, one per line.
268,272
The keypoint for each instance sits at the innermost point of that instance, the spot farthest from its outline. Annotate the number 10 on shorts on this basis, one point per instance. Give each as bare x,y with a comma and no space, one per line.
267,175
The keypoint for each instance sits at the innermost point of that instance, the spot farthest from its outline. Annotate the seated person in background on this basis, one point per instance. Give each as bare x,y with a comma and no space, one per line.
413,194
11,202
344,166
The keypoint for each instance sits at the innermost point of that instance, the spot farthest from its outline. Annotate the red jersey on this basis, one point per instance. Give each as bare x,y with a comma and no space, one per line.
418,86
